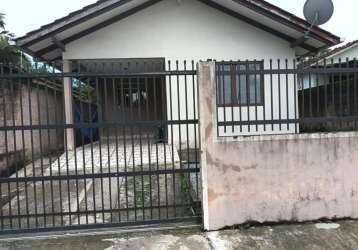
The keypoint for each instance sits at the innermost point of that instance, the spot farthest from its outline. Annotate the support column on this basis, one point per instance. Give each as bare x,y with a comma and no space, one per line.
207,93
68,104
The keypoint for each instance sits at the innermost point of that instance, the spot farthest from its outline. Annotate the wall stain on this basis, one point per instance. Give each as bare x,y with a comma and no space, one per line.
212,195
220,164
303,205
244,181
208,104
253,166
353,193
208,130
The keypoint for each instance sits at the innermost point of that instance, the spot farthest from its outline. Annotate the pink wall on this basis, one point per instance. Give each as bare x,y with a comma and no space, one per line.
273,178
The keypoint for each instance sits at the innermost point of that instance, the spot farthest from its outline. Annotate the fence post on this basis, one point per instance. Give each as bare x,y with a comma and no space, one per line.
68,104
207,100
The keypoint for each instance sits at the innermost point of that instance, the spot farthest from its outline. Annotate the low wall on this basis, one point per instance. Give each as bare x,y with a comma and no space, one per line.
273,178
20,146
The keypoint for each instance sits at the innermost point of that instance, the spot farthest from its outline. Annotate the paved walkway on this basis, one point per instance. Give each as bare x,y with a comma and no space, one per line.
333,236
114,156
94,194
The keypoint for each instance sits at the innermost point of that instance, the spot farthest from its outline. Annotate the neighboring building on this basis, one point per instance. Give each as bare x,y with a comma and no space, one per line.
342,56
169,30
347,52
340,88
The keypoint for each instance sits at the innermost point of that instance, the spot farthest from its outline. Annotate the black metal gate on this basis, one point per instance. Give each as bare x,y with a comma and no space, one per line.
133,155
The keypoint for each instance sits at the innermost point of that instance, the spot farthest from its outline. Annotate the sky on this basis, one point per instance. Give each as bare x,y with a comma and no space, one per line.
25,15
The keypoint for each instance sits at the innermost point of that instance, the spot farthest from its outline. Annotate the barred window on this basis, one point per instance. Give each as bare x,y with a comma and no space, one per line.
238,88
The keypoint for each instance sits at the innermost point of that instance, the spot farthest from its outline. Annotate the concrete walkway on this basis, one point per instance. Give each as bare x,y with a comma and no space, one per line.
79,196
113,156
319,236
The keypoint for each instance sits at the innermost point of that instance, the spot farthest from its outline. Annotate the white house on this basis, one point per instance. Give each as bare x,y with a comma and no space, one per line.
348,51
339,88
195,30
342,56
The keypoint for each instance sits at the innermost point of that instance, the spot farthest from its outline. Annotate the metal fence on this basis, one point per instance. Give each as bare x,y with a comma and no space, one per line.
135,159
280,97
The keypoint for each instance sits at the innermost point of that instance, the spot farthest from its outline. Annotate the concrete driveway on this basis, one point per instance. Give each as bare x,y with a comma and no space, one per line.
77,196
317,236
109,155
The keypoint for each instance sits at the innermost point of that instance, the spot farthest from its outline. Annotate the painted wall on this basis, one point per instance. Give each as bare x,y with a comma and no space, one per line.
273,178
45,107
350,54
182,30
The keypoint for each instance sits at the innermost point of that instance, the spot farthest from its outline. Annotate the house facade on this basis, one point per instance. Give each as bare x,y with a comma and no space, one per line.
188,30
192,31
175,90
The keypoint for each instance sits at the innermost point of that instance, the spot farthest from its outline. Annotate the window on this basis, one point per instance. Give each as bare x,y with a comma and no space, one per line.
237,87
132,93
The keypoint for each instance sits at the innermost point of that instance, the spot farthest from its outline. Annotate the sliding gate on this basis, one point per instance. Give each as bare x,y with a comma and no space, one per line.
128,156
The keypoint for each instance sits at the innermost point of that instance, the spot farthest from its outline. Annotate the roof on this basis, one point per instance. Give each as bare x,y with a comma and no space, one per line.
339,50
331,54
49,41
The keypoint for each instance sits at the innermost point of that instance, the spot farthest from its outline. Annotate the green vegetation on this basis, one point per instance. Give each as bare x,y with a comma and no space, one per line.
10,53
2,21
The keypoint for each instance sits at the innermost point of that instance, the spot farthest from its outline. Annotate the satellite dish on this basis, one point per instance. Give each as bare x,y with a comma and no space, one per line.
318,12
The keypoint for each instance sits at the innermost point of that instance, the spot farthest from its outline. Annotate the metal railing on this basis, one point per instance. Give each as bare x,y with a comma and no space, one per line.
275,97
135,159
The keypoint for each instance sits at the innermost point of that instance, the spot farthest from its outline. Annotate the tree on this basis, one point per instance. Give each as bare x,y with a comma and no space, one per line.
2,22
8,52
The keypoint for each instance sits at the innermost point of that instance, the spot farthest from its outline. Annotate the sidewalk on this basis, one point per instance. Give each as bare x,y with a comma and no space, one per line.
335,236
